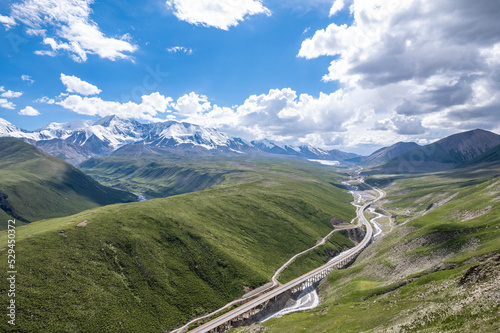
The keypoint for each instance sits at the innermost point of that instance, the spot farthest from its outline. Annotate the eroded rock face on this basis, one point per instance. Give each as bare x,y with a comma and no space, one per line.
337,221
488,269
356,235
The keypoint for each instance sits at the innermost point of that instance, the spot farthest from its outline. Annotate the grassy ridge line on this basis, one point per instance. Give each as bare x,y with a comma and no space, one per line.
439,272
153,176
150,266
35,185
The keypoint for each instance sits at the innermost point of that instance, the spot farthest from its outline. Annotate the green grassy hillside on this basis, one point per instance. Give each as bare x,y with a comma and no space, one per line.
156,176
437,271
150,266
317,257
35,185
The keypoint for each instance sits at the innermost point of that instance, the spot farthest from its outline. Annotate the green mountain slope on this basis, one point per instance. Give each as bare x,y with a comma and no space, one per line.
156,176
437,271
150,266
35,185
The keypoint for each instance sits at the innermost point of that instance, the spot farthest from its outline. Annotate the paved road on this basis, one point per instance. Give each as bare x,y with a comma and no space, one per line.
298,281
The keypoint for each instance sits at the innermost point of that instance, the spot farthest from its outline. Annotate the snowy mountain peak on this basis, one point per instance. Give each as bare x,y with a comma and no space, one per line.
101,137
106,121
310,149
172,132
116,121
7,127
265,143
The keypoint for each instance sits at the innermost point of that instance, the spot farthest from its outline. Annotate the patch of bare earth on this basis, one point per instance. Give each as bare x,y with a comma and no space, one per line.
82,224
466,215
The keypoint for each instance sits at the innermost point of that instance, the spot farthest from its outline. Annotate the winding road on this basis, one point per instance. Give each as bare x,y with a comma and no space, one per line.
347,255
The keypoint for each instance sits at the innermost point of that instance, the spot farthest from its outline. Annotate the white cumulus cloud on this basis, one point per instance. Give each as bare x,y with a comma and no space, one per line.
424,66
76,85
7,94
11,94
150,106
73,31
191,104
221,14
29,111
7,104
278,115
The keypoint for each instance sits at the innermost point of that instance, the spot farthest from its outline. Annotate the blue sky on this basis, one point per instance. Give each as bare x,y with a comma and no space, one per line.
353,75
253,57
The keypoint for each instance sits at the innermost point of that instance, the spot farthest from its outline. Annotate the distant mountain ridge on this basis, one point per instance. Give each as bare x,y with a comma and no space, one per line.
387,153
468,145
445,154
305,151
77,141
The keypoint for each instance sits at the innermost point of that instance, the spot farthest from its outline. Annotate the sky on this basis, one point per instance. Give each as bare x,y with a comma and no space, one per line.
353,75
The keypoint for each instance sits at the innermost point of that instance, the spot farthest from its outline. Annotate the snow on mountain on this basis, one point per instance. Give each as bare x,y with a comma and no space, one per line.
79,140
306,151
292,148
265,143
269,146
175,133
276,148
313,151
8,129
105,135
113,131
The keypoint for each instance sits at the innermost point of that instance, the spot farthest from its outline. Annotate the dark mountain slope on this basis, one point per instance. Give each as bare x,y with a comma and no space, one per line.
468,145
490,156
65,150
444,154
35,185
387,153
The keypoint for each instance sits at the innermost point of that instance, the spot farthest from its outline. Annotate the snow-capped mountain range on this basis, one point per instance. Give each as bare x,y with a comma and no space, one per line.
79,140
